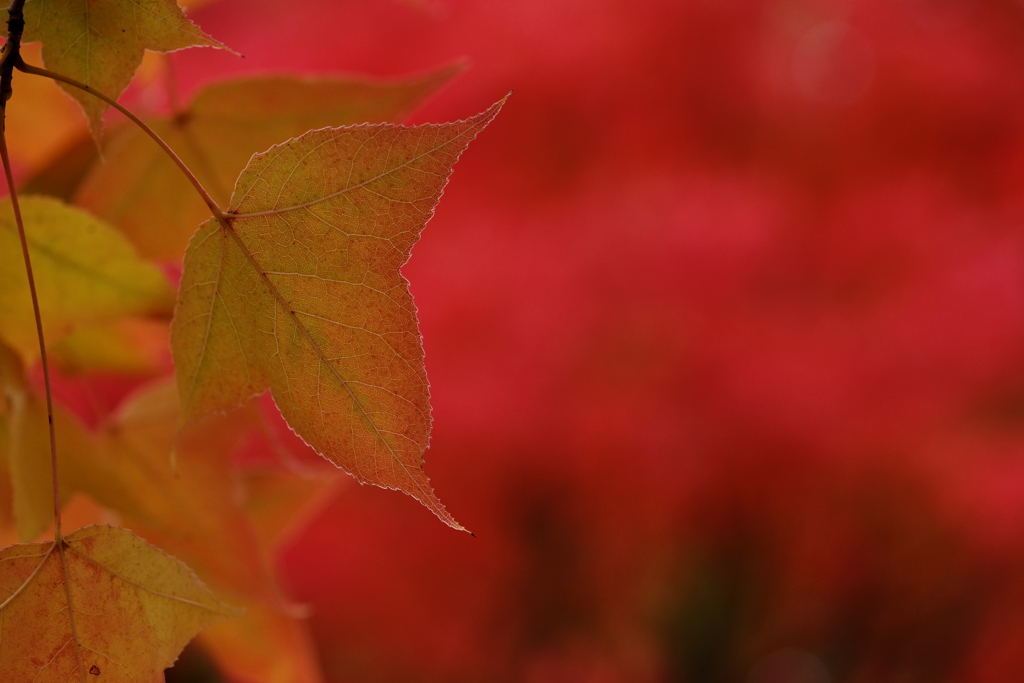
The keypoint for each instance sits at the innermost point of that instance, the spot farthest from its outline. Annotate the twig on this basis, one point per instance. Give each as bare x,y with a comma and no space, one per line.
12,57
37,71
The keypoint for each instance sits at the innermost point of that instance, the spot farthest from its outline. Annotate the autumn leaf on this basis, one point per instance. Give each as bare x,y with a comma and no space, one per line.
216,135
185,508
189,509
125,612
85,273
182,498
303,295
101,43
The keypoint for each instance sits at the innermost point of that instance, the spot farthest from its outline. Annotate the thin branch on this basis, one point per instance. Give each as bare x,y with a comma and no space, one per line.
37,71
39,323
12,58
5,156
12,48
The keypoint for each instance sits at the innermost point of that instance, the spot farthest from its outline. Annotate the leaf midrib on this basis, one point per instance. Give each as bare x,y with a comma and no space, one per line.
227,225
280,300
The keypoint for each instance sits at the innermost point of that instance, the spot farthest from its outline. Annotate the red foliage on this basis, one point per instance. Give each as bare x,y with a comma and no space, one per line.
724,317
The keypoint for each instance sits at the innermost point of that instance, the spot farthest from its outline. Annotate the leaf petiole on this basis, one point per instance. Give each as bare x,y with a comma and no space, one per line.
11,58
38,71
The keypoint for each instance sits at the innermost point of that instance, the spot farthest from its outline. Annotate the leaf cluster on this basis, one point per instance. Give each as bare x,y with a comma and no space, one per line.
312,198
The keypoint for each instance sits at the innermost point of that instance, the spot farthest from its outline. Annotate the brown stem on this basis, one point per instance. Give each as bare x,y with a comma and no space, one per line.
37,71
12,49
39,325
11,56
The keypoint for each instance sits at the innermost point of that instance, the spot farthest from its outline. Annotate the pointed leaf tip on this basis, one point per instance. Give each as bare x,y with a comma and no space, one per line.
101,43
225,124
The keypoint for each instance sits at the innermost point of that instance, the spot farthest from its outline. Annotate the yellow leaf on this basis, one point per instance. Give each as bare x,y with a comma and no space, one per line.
27,449
303,295
101,43
132,609
146,196
85,273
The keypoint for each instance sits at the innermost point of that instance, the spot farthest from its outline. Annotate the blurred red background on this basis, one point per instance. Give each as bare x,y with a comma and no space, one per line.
724,319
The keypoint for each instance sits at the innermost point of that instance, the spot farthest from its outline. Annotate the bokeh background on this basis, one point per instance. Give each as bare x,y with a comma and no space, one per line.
724,318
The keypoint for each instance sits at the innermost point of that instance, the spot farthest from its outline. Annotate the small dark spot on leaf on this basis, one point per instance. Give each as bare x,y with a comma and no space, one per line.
94,670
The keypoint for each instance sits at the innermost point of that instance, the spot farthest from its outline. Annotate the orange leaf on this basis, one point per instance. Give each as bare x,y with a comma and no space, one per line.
188,509
302,294
269,645
123,610
101,43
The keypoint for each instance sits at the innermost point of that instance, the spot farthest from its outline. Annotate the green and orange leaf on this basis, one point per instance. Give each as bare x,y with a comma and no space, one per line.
101,42
300,292
190,508
86,272
124,612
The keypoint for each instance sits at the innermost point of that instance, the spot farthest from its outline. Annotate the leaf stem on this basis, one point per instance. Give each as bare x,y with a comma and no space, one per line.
11,56
9,60
12,48
39,322
38,71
